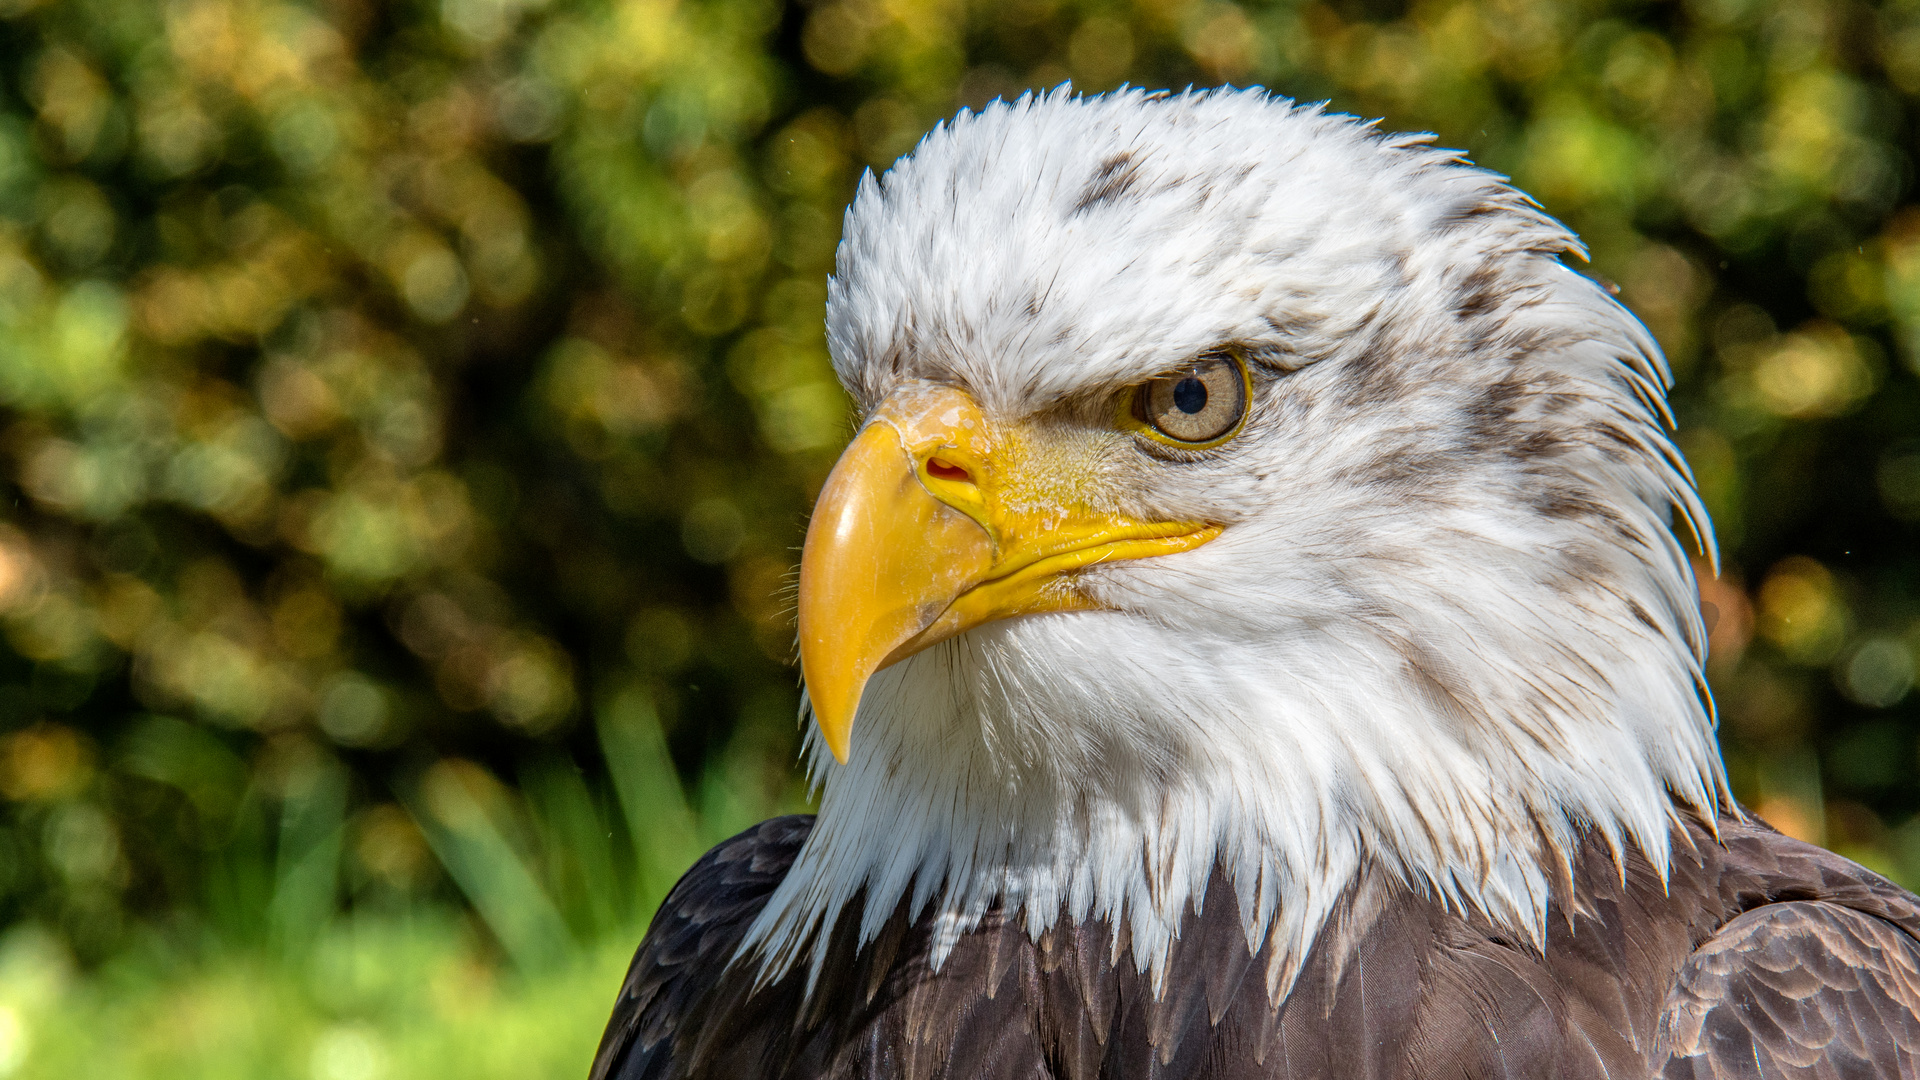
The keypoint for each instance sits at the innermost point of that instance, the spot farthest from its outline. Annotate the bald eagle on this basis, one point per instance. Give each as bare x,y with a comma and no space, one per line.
1252,634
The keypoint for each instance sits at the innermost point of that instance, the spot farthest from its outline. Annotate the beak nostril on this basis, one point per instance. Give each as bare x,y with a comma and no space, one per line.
943,470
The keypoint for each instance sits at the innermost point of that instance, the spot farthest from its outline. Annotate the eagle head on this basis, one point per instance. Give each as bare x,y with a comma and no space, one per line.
1240,490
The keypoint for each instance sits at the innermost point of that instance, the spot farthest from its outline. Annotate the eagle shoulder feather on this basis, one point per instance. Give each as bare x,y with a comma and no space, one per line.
1816,974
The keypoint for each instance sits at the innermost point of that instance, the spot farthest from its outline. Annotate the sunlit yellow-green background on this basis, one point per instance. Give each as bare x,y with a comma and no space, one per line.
408,414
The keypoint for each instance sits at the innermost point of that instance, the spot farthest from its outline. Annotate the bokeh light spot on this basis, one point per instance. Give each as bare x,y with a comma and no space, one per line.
1879,673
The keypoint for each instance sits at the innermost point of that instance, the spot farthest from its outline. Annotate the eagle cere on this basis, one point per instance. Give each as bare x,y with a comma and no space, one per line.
1255,579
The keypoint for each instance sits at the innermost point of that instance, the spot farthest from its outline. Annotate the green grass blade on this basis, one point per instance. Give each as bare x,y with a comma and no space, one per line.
664,833
496,880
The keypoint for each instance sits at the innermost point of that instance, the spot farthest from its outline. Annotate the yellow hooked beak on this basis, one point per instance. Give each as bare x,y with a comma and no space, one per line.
933,523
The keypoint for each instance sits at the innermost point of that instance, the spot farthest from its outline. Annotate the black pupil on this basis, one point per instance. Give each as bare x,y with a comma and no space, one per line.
1190,395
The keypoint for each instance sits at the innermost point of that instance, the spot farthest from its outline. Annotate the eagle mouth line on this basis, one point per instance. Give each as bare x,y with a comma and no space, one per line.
1026,573
1105,545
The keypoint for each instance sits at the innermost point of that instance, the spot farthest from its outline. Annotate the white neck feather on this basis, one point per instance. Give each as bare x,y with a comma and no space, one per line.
1099,766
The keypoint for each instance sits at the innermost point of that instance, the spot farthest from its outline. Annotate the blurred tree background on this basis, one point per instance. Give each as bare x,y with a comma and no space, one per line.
409,412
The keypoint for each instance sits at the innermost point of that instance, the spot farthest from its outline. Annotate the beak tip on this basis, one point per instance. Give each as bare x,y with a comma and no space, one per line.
834,718
839,739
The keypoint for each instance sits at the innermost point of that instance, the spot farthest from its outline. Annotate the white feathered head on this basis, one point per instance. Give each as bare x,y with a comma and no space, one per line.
1239,486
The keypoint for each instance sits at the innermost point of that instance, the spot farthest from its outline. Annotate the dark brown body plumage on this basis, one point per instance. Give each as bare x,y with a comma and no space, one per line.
1761,957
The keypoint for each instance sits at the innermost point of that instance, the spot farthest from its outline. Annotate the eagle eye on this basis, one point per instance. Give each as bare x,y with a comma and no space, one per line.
1200,404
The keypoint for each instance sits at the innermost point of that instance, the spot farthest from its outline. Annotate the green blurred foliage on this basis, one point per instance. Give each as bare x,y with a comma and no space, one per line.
409,411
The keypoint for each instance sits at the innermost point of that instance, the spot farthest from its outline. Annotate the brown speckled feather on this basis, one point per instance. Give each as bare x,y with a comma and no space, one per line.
1762,957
